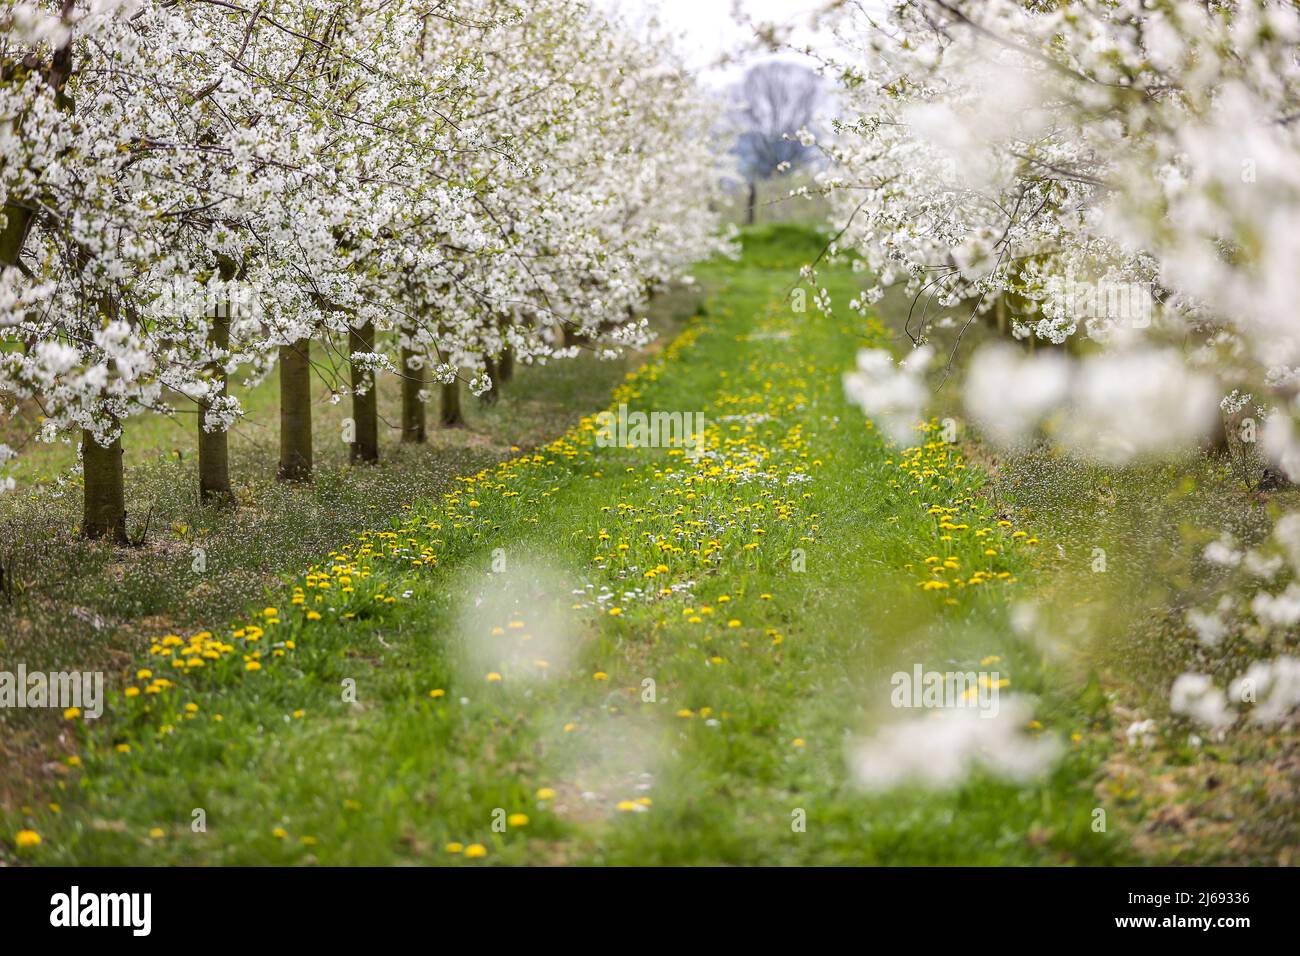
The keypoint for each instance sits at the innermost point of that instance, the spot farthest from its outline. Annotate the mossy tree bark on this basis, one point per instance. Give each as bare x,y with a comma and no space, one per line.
295,411
413,383
365,398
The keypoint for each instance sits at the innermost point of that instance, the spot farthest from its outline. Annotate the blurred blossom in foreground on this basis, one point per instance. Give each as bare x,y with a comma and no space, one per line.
1138,404
892,393
1195,696
1009,392
1114,407
1270,689
1274,687
941,749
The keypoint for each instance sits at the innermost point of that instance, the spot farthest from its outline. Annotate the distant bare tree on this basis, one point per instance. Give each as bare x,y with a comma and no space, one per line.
776,100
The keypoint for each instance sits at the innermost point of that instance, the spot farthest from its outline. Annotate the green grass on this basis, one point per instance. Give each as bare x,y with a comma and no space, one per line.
76,604
617,568
1224,801
705,637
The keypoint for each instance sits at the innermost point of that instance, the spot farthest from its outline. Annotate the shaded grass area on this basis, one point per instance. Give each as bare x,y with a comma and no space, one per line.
1129,568
1125,564
88,606
613,655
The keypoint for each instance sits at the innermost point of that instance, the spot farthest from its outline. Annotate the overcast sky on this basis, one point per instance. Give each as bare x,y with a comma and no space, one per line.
707,30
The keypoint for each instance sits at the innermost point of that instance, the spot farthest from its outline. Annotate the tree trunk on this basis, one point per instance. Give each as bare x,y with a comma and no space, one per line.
451,415
751,205
1217,441
295,411
214,450
365,398
214,445
506,365
413,383
104,504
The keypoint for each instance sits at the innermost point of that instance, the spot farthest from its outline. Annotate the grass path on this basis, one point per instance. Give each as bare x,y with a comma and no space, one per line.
604,655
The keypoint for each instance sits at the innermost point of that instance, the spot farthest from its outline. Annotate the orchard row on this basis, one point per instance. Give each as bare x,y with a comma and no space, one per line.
211,189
